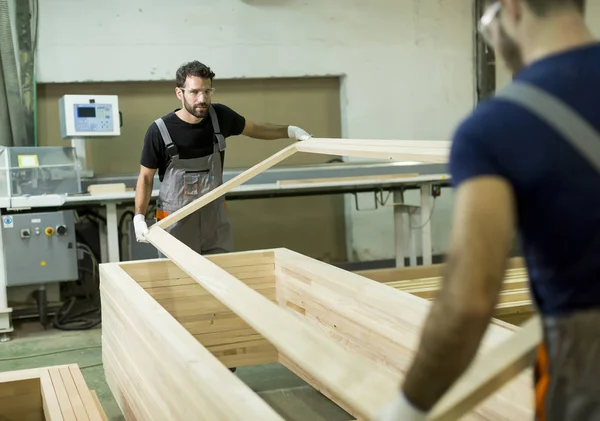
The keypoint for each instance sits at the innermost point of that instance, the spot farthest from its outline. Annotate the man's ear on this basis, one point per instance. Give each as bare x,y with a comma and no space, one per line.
178,93
513,9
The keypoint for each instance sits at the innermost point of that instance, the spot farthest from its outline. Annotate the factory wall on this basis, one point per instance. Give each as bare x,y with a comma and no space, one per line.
404,71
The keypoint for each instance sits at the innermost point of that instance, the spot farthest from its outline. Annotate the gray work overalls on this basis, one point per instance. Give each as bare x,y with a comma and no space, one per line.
206,231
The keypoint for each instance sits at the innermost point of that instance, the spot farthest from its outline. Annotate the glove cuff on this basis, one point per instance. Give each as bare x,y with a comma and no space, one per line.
139,217
400,408
291,130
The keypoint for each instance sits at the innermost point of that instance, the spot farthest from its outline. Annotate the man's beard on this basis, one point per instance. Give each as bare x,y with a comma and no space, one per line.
195,111
510,51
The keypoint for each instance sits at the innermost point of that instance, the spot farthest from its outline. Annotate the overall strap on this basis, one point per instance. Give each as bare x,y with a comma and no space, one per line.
220,138
171,147
216,128
558,115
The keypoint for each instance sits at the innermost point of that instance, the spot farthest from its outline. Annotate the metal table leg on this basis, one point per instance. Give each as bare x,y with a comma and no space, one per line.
426,222
399,227
112,229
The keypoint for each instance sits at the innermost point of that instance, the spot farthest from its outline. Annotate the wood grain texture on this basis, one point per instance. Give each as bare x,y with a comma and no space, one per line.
392,150
384,324
354,379
156,369
56,393
350,337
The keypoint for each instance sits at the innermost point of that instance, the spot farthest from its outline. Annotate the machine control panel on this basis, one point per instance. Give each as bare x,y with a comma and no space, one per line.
93,117
40,247
84,116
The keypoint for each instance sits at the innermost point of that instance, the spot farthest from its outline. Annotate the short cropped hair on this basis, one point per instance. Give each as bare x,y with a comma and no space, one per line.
543,7
193,68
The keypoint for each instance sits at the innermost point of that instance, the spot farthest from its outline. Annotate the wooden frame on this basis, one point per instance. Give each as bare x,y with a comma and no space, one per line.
57,393
184,319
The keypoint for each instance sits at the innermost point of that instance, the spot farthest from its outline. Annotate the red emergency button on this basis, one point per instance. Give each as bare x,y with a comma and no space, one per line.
49,231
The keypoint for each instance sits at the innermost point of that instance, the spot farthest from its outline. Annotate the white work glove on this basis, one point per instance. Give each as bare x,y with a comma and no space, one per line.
141,228
297,133
400,409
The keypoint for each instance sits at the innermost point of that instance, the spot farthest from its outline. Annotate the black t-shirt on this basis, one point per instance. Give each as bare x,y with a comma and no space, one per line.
192,140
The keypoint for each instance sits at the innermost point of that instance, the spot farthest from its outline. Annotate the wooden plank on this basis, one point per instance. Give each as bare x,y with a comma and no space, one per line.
392,150
490,372
95,189
73,394
87,397
62,395
354,379
226,187
346,179
103,416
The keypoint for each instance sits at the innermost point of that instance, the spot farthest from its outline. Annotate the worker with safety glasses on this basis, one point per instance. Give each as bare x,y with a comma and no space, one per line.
526,160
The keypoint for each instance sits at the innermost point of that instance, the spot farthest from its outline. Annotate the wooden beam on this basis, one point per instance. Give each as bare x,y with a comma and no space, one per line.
490,372
354,379
393,150
397,150
226,187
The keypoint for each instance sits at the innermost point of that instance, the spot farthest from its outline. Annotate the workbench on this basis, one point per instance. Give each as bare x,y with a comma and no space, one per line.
283,181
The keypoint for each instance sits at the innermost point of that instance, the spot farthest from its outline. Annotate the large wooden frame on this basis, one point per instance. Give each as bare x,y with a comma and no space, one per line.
171,326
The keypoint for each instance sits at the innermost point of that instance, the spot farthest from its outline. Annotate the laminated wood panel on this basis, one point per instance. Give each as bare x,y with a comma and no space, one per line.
380,323
349,325
514,305
158,370
213,324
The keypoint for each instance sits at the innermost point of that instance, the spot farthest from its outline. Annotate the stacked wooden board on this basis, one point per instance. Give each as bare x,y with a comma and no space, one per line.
167,342
57,393
514,305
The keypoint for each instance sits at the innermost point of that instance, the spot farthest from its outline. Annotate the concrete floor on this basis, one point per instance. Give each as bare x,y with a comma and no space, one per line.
33,347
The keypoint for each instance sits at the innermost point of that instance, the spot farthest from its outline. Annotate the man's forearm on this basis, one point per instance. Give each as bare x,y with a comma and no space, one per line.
143,192
450,341
270,131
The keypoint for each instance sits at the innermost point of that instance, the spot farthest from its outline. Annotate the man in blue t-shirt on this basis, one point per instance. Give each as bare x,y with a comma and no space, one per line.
513,172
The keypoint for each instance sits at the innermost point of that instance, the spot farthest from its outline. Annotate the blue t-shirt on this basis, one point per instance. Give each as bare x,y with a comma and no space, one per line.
557,189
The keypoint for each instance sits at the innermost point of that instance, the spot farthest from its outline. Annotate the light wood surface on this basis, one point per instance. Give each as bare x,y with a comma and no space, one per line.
354,379
56,393
391,150
156,369
384,324
346,335
345,179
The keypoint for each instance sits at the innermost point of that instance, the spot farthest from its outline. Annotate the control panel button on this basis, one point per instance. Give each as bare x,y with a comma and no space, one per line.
61,230
49,231
25,233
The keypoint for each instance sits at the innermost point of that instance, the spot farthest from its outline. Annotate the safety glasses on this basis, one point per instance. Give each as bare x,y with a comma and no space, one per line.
486,22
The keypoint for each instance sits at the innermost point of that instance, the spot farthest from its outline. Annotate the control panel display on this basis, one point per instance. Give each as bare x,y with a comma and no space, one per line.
93,117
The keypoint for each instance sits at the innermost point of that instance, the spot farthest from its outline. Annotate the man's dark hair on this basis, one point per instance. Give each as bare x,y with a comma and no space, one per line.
543,7
193,68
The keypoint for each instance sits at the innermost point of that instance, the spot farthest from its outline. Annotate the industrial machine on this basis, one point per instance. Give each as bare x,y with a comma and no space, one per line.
83,116
40,247
33,171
